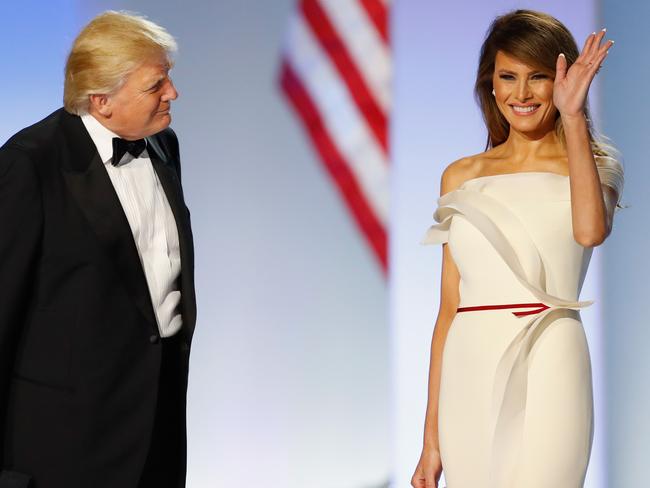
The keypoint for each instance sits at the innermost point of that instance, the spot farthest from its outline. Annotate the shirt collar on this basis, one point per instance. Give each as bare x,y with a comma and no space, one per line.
103,139
101,136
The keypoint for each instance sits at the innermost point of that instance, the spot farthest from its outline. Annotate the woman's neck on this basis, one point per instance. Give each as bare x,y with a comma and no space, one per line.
525,148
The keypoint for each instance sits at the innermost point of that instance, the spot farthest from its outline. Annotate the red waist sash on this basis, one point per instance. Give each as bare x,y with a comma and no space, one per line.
537,308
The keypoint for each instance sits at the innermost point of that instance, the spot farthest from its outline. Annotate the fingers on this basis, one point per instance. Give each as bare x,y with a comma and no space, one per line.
422,482
597,39
418,482
560,68
592,46
593,69
431,478
588,42
599,57
424,479
605,47
593,53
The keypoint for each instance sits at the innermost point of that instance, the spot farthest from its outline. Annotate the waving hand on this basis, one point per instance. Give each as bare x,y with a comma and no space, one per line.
572,85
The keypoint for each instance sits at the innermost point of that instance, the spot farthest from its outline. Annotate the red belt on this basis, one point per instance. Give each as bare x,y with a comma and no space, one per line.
538,308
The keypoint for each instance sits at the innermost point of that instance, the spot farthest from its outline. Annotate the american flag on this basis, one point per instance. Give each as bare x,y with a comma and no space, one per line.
336,72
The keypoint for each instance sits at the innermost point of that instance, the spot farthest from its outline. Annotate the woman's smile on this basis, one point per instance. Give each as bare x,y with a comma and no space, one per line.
525,110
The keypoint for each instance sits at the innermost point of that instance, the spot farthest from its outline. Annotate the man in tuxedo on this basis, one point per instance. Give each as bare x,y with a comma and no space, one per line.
97,305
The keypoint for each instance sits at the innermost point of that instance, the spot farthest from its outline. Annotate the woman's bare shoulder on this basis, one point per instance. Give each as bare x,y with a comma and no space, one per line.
462,170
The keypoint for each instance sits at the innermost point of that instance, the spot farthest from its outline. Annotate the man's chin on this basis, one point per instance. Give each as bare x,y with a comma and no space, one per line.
166,118
162,123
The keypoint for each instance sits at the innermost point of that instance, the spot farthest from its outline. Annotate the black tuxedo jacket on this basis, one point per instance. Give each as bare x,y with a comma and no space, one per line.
79,346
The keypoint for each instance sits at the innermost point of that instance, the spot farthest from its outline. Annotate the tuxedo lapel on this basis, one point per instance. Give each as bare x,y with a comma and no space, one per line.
173,191
89,183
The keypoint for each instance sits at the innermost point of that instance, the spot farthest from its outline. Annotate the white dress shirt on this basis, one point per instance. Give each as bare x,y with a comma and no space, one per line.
152,224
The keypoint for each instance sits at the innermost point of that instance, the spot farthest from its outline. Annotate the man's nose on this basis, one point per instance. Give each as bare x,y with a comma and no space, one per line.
171,93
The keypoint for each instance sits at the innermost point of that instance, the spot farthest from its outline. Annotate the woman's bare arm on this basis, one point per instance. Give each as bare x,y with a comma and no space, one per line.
592,204
429,468
452,178
449,298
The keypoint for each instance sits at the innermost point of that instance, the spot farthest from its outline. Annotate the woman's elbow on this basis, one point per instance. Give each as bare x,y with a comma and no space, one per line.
591,238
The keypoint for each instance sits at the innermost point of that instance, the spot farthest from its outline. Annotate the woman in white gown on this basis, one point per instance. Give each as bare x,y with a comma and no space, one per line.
510,394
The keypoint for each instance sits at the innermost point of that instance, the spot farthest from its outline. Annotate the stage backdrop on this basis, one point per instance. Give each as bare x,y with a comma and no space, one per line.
626,78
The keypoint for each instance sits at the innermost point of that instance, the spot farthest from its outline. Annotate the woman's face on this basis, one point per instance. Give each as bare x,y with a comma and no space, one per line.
524,95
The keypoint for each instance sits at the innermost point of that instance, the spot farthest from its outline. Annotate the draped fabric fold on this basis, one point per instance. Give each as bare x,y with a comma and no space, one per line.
490,218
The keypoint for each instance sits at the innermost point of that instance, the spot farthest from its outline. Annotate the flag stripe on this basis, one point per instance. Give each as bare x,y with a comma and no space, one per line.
340,115
378,14
334,162
366,48
332,44
336,74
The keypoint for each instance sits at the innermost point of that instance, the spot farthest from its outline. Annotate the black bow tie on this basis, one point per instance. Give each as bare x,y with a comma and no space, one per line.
122,146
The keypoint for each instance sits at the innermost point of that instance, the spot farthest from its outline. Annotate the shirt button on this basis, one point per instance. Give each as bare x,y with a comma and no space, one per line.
154,339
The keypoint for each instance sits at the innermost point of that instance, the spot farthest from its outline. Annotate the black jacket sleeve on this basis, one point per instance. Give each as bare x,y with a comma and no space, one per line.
20,235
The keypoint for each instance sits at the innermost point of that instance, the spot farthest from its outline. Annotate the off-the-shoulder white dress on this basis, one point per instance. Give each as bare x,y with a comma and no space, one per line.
516,407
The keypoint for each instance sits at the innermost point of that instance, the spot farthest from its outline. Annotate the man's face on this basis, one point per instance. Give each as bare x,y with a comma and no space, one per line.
141,107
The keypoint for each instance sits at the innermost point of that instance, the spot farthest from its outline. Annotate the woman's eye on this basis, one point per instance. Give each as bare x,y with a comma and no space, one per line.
506,77
539,76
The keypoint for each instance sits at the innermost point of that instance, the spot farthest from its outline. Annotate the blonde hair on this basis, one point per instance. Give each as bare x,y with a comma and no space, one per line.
107,51
536,39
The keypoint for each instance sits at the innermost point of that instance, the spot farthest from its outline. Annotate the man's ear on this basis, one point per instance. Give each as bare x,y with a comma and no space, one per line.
101,104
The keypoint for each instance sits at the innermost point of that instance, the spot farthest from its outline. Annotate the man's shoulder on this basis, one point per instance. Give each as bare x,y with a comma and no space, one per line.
39,136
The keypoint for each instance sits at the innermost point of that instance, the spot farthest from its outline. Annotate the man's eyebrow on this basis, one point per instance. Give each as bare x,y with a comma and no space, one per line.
155,80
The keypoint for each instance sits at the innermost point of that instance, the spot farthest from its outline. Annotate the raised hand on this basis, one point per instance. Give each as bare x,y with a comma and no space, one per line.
571,86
